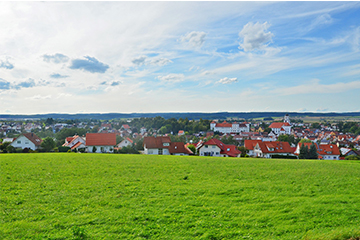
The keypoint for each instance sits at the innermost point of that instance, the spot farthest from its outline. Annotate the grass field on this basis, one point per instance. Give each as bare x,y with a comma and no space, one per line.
103,196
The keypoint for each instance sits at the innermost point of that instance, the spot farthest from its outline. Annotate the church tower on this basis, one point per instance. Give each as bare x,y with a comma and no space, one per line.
287,118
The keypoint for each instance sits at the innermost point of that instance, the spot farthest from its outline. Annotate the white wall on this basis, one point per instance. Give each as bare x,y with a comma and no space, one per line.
209,150
23,142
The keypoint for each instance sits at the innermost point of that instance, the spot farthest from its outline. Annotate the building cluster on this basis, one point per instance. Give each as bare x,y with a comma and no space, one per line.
329,142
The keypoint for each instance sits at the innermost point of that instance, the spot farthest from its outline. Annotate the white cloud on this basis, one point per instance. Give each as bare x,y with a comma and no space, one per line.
227,80
194,39
39,97
172,78
255,36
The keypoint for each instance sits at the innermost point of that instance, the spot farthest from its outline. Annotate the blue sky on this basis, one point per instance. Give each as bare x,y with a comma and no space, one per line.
87,57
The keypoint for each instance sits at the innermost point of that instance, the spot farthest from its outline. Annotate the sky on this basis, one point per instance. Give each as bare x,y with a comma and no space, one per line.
148,57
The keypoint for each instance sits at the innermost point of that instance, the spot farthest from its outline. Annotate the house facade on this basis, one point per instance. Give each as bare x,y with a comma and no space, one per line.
125,143
75,142
162,145
226,127
100,142
268,149
216,148
27,140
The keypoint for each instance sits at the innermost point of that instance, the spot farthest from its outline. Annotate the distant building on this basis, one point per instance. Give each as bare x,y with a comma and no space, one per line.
226,127
162,145
279,128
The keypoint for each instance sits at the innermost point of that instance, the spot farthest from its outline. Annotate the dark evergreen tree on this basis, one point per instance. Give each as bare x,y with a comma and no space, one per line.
313,152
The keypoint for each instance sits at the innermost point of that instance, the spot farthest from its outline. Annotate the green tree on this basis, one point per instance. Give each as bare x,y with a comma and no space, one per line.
313,152
305,140
192,148
48,144
244,151
304,152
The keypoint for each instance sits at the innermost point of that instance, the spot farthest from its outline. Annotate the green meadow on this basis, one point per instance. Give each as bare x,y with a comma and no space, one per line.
116,196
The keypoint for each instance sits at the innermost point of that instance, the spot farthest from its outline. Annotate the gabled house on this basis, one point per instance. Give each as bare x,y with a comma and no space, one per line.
27,140
214,147
75,142
250,145
268,149
124,143
162,145
100,142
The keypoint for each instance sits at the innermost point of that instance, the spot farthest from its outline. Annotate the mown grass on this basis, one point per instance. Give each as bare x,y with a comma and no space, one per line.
101,196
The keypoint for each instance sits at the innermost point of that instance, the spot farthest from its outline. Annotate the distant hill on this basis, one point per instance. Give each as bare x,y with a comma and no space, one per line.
195,116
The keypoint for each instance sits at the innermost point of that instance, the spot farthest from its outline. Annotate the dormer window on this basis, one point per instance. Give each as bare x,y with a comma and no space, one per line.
166,144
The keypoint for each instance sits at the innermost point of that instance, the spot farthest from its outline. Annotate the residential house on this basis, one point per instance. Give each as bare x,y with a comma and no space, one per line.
157,145
216,148
162,145
125,143
100,142
281,127
250,145
269,149
75,143
226,127
27,140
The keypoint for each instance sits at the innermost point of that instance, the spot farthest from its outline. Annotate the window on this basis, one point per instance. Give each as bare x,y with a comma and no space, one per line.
166,144
26,142
160,151
18,142
206,146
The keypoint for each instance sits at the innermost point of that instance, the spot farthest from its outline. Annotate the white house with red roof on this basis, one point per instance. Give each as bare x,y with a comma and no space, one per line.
162,145
27,140
268,149
100,142
284,127
215,148
75,142
250,145
125,143
226,127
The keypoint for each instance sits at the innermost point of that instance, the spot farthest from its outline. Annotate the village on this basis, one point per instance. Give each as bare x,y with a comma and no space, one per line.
219,138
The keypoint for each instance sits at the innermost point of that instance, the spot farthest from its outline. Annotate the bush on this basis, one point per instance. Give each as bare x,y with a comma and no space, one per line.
352,157
283,156
63,149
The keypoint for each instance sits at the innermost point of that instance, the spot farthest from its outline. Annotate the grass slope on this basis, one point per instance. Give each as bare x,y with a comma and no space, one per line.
99,196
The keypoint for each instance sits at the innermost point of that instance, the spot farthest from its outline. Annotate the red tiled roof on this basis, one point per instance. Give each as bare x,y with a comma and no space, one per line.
328,149
69,139
156,142
279,124
224,124
275,147
230,150
100,139
131,141
250,144
33,138
179,147
126,126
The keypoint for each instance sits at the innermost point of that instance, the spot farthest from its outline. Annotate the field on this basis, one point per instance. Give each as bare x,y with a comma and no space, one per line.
103,196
